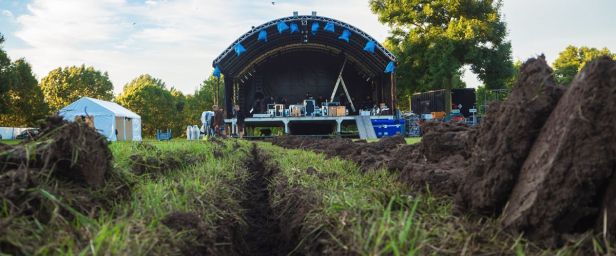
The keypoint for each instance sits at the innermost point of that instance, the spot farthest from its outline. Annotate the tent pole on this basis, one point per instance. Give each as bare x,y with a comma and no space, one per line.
124,124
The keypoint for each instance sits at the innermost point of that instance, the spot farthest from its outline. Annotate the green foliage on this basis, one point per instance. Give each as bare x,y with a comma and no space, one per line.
435,39
62,86
203,99
5,62
21,98
573,59
24,98
157,106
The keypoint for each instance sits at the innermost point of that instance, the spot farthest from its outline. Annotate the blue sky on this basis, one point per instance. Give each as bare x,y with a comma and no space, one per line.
177,40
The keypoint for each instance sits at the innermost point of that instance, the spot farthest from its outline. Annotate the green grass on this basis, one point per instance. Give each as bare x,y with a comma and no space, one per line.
10,142
133,226
373,214
337,209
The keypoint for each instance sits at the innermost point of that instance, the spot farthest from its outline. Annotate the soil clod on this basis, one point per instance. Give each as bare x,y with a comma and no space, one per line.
505,138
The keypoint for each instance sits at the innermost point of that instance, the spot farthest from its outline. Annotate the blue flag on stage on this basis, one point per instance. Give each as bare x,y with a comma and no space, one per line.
346,34
370,45
239,49
294,28
262,36
216,71
282,27
391,67
329,27
315,28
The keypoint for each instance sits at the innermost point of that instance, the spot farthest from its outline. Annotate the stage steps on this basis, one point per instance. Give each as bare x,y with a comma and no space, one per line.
365,128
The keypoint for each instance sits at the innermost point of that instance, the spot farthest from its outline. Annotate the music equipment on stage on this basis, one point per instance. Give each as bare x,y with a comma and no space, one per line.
336,111
279,110
261,115
309,106
318,112
331,103
296,110
271,112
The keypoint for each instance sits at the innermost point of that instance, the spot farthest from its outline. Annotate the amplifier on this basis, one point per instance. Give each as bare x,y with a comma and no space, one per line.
336,110
309,106
279,110
296,110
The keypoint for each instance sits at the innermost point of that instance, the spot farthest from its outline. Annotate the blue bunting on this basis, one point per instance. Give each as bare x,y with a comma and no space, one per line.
216,72
262,36
315,28
391,67
282,27
329,27
294,28
239,49
346,34
370,45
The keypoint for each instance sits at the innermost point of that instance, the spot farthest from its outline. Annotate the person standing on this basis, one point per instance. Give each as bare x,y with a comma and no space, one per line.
239,120
206,119
219,121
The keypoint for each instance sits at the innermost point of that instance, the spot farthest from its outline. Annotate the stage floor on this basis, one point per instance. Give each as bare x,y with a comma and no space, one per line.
285,121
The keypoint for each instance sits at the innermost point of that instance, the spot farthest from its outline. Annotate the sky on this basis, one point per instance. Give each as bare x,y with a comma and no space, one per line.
177,40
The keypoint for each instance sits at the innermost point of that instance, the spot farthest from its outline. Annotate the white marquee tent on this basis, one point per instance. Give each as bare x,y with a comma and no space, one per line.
109,118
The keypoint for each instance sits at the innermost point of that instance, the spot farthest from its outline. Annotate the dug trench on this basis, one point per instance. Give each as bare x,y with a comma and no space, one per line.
263,234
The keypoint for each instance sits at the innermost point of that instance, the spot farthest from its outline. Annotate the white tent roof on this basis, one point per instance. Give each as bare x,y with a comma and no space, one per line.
85,102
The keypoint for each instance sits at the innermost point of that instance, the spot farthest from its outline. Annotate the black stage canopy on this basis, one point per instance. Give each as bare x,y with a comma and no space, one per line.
288,57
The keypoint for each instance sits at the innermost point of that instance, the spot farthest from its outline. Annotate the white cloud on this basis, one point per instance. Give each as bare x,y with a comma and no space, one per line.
7,13
172,40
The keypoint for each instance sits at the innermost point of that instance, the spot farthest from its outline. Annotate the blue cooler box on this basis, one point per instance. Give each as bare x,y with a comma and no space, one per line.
387,127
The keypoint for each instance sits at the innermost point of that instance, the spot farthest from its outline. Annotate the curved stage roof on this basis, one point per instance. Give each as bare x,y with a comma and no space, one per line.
258,51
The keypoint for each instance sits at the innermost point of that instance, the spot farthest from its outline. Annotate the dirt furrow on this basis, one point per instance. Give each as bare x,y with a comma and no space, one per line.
262,235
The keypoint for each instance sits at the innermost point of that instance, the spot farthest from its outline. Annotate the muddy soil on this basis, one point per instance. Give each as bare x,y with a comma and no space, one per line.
70,151
505,138
436,163
563,182
263,235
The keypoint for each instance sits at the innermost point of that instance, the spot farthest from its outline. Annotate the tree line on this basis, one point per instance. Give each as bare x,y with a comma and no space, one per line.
24,100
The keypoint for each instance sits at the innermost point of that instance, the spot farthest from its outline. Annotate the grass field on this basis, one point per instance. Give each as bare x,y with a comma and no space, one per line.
320,206
10,142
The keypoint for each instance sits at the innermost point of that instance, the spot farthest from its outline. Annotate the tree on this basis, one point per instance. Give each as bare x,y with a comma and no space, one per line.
62,86
21,99
25,103
434,39
573,59
203,99
5,62
149,97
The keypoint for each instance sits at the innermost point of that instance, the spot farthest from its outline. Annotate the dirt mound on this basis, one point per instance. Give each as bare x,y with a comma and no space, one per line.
70,151
441,140
505,138
438,162
563,182
426,165
441,178
369,156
